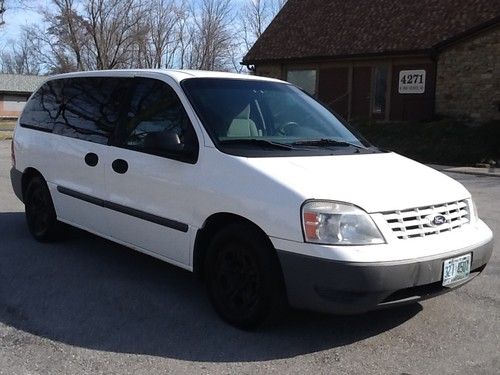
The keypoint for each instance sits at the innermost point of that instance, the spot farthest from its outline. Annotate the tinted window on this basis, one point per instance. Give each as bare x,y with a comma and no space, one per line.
42,110
90,107
155,111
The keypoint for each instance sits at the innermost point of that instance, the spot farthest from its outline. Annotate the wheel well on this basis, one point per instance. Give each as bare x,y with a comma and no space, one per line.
28,174
212,225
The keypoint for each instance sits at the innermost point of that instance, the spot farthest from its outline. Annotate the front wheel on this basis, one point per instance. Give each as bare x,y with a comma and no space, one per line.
40,212
243,276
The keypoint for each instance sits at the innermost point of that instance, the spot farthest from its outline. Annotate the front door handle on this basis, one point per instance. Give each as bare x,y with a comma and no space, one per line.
120,166
91,159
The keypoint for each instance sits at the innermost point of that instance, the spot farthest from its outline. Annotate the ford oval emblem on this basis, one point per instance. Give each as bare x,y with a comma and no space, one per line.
437,220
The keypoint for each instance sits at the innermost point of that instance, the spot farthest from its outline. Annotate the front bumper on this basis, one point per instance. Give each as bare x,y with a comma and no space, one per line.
348,288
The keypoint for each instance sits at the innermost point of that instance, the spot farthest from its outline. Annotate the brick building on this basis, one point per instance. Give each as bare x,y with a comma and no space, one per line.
15,90
389,60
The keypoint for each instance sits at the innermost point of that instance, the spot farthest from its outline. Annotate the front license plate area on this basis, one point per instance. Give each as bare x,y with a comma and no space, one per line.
456,269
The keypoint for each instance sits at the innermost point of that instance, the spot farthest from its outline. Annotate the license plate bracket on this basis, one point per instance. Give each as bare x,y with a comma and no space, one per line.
456,269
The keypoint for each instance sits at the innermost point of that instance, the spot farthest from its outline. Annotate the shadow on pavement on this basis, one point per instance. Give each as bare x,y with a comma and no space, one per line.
92,293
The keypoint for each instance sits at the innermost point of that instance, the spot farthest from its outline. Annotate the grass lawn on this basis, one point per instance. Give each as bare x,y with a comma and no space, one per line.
7,125
5,134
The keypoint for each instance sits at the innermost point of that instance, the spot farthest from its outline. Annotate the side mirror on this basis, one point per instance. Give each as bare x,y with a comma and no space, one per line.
166,141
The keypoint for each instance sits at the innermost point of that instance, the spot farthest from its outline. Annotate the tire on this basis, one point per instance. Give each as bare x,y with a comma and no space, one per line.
243,277
40,213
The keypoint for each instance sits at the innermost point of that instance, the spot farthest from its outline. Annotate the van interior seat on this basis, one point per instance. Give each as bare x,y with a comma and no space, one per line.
242,126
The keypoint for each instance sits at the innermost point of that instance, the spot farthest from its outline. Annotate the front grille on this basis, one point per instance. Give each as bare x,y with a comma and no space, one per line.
417,222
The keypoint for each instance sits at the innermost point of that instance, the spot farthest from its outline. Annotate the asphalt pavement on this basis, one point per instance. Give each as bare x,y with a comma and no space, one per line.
87,305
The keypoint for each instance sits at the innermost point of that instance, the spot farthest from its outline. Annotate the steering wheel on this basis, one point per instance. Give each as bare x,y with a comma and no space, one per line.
287,128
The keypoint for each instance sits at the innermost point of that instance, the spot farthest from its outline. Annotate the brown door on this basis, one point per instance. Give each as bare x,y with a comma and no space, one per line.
361,91
413,107
333,89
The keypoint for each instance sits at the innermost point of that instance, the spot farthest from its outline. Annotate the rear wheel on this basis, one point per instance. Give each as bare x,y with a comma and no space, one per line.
243,276
40,212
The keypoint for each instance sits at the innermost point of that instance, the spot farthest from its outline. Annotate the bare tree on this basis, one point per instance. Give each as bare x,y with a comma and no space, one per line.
158,45
212,37
185,36
68,27
114,26
20,58
53,57
93,34
253,19
275,7
108,34
255,16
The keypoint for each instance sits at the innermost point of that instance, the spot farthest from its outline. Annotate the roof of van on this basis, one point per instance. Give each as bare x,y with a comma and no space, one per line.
177,75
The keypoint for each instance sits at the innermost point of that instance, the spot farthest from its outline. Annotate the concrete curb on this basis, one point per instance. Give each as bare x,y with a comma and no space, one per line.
467,170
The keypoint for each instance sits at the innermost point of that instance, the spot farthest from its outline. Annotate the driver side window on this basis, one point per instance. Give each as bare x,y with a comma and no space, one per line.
155,118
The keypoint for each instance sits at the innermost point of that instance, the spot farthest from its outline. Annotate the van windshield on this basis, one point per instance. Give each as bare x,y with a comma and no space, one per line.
269,116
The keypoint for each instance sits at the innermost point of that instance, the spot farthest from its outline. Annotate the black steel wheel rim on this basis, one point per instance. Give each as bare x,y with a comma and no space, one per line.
237,279
38,209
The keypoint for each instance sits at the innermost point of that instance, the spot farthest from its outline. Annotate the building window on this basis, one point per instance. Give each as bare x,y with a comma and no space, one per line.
380,89
305,79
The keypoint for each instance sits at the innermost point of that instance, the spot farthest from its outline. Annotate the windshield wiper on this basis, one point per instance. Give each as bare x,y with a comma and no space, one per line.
325,142
258,142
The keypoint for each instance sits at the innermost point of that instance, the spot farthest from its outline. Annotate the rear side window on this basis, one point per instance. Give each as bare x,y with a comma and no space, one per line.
86,108
89,107
42,109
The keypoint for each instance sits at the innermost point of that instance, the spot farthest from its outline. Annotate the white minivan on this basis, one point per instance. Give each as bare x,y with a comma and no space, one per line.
250,183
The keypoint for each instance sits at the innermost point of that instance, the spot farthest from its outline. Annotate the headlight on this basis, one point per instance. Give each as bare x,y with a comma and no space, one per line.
335,223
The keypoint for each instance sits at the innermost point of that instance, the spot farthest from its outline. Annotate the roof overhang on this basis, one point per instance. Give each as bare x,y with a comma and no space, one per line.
24,93
363,56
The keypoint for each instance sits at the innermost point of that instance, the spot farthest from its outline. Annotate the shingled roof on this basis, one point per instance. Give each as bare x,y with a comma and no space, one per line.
19,83
342,28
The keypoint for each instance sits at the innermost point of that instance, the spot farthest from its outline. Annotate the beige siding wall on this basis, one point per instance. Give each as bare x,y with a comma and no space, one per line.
14,103
468,78
11,105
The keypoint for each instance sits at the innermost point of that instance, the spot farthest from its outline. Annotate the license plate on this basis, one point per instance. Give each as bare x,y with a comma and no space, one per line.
456,269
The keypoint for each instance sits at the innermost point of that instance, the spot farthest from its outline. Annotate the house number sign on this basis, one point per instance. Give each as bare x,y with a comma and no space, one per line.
412,81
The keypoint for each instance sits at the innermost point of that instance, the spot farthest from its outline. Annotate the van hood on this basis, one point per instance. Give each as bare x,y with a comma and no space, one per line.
374,182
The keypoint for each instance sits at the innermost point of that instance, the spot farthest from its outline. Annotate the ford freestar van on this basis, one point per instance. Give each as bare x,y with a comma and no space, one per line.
247,181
